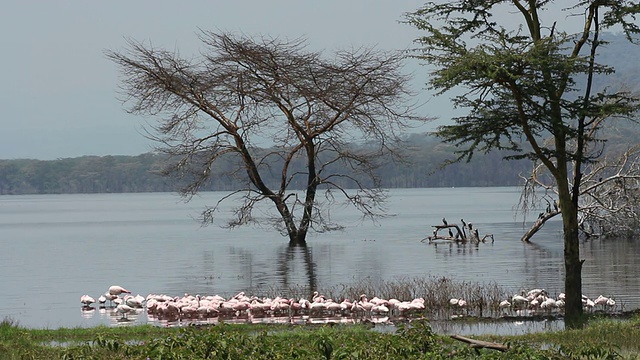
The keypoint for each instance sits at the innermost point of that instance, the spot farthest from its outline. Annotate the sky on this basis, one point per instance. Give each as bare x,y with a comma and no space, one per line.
59,93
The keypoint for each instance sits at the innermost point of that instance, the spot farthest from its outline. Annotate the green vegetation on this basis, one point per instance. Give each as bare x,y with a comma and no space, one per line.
600,339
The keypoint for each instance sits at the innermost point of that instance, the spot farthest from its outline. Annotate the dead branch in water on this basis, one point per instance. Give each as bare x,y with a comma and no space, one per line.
459,235
538,224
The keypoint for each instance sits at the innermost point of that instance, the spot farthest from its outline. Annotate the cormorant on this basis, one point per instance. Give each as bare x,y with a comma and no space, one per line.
444,221
463,223
450,232
470,226
555,205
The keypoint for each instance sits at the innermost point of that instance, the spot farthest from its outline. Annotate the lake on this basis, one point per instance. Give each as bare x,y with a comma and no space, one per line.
55,248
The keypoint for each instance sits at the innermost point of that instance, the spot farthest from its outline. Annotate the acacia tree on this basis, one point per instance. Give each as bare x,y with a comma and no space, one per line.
243,92
526,85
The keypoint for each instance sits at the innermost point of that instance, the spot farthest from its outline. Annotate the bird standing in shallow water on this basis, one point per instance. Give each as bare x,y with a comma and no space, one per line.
87,300
117,290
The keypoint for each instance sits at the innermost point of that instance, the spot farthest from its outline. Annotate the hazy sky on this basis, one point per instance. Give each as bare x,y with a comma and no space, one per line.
59,92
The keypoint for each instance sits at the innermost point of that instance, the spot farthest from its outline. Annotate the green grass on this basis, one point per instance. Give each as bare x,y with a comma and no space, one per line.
601,339
623,335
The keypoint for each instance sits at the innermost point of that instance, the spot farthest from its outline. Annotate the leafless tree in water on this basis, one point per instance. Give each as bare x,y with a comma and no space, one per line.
273,107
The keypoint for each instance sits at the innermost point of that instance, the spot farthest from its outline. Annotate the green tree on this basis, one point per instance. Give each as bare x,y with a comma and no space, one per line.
243,92
532,85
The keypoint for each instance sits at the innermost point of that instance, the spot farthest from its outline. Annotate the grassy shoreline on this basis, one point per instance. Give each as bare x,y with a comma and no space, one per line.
602,338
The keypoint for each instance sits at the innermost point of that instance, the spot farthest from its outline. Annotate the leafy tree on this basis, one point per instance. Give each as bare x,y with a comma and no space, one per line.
244,92
529,85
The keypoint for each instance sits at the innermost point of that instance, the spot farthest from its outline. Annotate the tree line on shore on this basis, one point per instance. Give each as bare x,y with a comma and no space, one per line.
423,157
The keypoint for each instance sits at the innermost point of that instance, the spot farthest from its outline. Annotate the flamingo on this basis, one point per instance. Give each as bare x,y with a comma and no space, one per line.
133,301
505,305
117,290
519,301
123,309
87,300
532,294
380,309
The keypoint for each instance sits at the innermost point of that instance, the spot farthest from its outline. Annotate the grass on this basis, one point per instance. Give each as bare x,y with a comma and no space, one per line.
601,339
600,333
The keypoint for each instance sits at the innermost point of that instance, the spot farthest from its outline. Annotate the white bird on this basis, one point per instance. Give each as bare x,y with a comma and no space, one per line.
102,299
589,304
87,300
132,301
611,302
601,301
124,309
504,304
519,301
117,290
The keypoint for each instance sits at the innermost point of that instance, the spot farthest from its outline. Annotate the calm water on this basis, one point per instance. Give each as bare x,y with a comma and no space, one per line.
54,248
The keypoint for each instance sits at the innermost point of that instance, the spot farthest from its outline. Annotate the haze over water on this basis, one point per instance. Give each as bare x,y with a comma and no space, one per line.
55,248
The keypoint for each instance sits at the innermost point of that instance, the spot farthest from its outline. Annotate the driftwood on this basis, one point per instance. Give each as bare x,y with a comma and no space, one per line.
479,344
457,233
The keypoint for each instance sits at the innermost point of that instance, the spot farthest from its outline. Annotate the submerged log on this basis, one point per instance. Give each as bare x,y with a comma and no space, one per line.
479,344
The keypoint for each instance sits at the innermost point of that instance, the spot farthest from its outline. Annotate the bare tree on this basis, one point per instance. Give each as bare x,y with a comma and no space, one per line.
274,107
609,196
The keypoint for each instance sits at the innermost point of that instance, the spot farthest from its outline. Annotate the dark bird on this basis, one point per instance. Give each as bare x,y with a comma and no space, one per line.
555,205
463,223
444,221
470,226
450,233
548,208
540,216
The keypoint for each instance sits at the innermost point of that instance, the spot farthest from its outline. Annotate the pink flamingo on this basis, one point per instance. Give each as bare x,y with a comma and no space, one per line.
117,290
87,300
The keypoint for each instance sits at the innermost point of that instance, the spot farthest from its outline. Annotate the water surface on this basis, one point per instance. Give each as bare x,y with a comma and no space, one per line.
54,248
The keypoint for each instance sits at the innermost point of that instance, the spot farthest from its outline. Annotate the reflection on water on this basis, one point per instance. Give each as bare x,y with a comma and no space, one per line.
55,248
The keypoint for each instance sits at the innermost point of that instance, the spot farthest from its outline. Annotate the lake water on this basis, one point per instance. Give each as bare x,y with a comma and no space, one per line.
55,248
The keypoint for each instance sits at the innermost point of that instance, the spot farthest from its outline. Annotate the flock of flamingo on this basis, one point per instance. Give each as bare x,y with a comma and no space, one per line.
538,300
167,308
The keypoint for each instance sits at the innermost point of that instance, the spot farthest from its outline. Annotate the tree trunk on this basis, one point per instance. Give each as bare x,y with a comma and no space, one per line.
572,264
298,238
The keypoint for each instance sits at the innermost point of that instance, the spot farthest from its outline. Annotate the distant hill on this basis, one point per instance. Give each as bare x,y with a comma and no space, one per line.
423,156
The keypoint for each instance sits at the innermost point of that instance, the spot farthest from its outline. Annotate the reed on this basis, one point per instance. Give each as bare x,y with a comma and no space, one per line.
482,298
